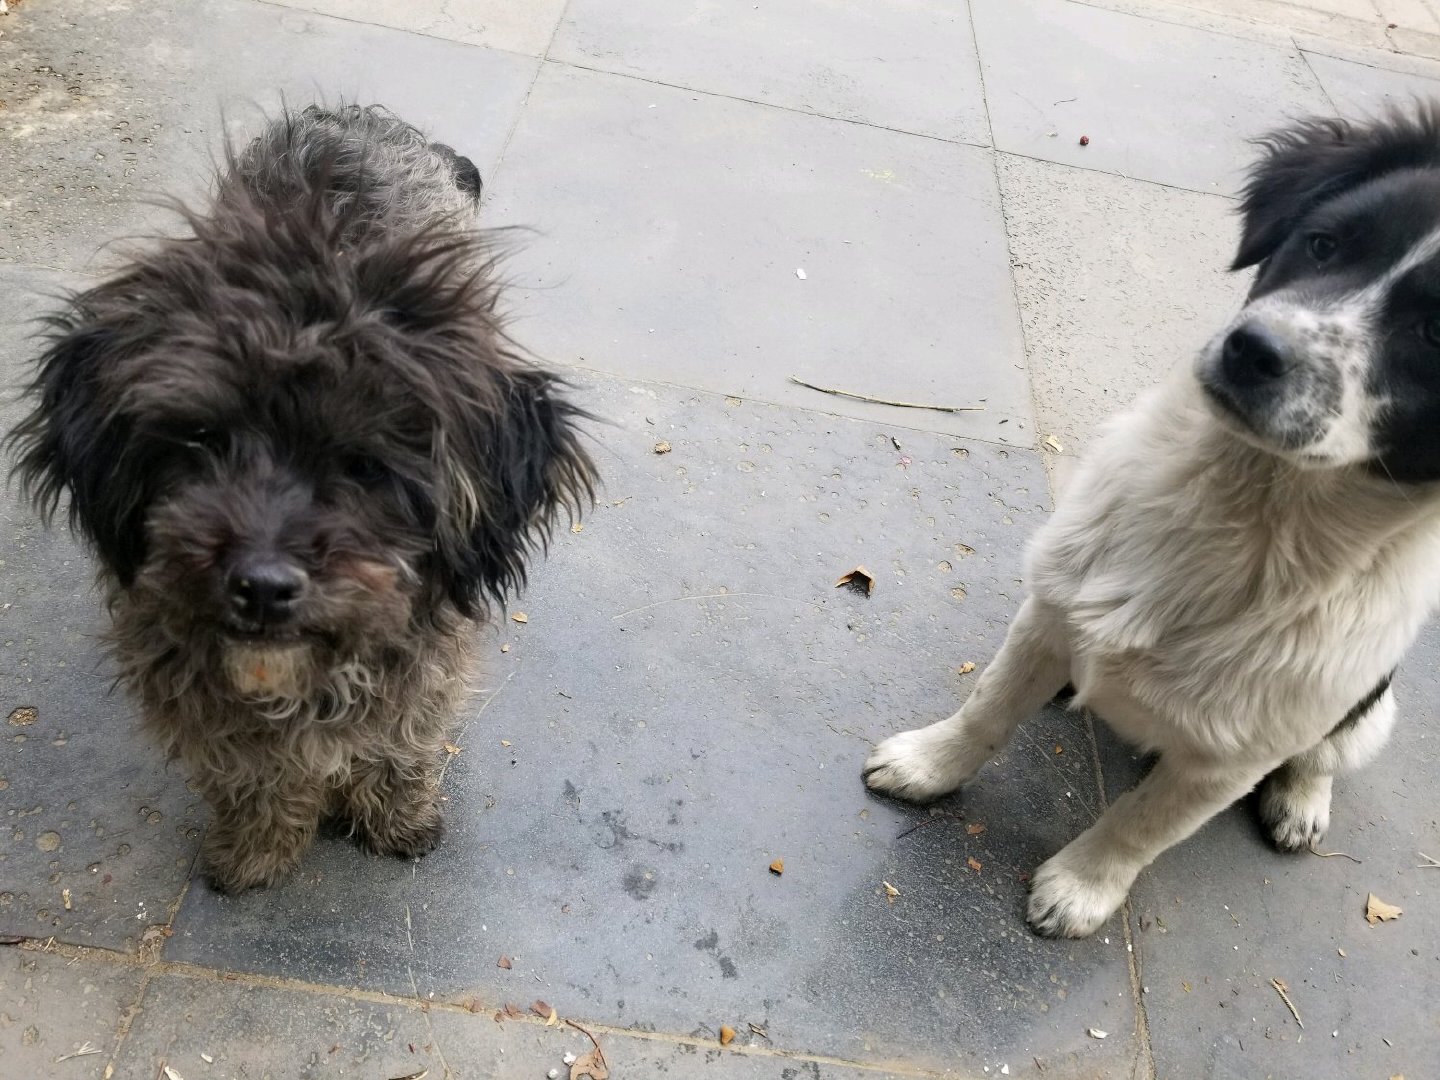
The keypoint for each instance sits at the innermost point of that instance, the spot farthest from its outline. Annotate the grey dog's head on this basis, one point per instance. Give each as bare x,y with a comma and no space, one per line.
1335,359
295,434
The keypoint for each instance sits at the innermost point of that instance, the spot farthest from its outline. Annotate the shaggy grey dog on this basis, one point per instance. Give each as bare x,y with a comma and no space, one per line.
307,458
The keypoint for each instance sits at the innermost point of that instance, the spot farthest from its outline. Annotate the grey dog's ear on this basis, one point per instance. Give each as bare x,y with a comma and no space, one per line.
72,443
513,464
1312,161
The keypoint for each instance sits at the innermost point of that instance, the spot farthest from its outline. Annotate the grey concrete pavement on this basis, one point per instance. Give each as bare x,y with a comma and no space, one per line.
691,697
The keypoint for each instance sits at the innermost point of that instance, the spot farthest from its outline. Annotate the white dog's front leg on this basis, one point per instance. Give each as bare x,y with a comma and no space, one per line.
1030,668
1074,892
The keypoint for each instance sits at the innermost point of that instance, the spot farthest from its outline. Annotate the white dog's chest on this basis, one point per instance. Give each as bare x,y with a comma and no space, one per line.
1201,617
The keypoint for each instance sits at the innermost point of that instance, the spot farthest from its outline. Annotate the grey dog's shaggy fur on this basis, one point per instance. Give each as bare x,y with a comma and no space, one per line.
307,457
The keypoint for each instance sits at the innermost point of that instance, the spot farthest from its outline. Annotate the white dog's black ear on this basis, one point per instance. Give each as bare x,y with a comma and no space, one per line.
1312,161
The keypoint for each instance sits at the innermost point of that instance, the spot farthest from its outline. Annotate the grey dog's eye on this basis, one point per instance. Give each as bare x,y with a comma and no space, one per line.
1431,329
1321,246
364,469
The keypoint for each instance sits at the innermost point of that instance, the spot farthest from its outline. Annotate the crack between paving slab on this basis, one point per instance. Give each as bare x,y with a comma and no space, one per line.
764,104
136,1007
1315,75
182,969
447,1072
1144,1066
330,16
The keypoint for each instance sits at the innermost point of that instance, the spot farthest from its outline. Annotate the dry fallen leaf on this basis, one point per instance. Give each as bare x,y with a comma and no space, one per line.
975,830
858,579
503,962
1096,1033
1376,910
504,742
592,1065
451,748
890,891
1053,445
662,447
553,1019
967,667
727,1034
777,867
540,1008
578,527
974,863
520,617
1059,749
65,898
512,1011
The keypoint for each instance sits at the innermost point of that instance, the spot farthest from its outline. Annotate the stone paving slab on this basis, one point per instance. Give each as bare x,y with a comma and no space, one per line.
500,24
692,698
255,1030
97,837
1237,914
1361,90
1108,301
672,225
908,66
1056,70
52,1006
93,132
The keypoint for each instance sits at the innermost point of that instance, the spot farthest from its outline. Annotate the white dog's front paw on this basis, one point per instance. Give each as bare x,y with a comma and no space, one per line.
1066,904
919,765
1295,810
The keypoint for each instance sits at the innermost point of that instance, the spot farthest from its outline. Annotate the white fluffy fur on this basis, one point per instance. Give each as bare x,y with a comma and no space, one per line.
1213,603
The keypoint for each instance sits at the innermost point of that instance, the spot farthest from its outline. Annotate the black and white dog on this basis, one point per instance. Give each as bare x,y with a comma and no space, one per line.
1251,549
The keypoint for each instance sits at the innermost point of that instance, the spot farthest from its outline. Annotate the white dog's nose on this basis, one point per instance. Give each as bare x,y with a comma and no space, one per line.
1254,355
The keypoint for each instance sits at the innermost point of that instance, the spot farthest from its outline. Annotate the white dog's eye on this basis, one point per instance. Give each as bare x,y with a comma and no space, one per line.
1431,329
1321,246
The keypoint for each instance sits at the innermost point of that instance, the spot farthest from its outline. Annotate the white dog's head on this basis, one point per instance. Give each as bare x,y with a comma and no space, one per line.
1335,359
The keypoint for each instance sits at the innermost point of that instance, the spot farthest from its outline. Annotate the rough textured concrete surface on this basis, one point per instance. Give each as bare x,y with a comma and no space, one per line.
888,200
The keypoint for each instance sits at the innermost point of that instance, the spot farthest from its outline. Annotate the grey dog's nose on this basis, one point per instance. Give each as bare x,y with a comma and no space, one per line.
265,588
1253,356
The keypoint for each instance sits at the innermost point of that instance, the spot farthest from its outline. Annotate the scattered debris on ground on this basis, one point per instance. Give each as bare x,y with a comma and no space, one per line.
727,1034
777,867
662,447
24,716
1096,1033
967,667
858,579
890,891
887,401
504,963
1377,910
1284,992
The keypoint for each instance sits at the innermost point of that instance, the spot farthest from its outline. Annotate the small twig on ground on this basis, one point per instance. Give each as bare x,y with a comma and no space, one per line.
85,1051
1430,861
887,401
1280,989
758,1030
595,1042
931,820
1334,854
